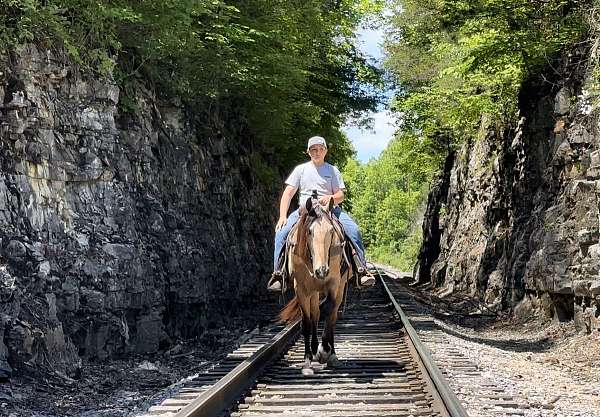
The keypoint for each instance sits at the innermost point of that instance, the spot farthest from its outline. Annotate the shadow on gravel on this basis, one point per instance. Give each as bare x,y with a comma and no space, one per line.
513,345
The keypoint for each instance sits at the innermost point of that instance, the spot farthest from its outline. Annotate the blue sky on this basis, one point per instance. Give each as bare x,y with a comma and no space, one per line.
370,143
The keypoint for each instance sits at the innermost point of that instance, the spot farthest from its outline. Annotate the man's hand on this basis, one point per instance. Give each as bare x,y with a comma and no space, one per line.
280,223
324,201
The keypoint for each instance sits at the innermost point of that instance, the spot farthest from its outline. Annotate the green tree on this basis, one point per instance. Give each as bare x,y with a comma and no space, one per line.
458,60
454,61
386,194
278,71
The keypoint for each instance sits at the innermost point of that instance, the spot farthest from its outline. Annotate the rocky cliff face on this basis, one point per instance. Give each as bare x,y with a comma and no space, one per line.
118,233
515,218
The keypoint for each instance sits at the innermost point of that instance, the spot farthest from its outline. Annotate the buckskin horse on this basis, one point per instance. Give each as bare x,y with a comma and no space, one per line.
314,261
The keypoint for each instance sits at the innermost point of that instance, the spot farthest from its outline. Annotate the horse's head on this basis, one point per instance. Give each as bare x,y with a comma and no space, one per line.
316,237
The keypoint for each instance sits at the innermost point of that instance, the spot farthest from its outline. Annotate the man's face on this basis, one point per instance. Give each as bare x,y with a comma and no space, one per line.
317,153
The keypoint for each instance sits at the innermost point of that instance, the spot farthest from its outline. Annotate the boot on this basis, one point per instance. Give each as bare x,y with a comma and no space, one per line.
366,278
275,282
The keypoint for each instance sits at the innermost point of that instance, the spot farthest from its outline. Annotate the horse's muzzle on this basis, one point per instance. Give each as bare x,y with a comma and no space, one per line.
322,272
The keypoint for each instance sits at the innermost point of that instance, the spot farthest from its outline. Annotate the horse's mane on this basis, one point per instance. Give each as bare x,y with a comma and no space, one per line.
306,219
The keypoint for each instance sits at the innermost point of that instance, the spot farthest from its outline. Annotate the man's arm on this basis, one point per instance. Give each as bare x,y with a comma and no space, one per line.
284,205
338,197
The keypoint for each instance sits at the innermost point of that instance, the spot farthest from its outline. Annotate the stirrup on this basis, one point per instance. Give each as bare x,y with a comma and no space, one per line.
364,278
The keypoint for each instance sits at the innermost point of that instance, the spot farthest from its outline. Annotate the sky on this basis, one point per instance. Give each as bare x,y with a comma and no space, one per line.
370,143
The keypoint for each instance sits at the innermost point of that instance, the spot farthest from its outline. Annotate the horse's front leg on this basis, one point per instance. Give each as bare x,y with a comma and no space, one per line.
314,318
332,360
308,329
307,333
326,352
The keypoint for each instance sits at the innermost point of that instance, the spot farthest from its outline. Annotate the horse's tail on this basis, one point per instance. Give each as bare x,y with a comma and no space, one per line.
291,311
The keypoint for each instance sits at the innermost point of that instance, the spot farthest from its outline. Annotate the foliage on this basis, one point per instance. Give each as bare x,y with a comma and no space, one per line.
460,59
285,70
385,194
591,92
455,61
403,256
86,30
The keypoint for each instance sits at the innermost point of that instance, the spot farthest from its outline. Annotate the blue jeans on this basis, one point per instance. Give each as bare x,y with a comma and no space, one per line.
350,228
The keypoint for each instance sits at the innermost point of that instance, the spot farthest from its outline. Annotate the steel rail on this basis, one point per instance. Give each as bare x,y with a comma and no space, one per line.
447,396
220,396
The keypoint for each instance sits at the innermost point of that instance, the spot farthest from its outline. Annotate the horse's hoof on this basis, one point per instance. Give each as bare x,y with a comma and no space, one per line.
307,372
322,355
333,361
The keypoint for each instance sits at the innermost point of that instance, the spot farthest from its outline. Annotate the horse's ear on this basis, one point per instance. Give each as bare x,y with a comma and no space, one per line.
330,204
308,205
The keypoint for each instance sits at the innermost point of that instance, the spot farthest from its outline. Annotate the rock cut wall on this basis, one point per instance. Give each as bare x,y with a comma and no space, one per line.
118,233
517,212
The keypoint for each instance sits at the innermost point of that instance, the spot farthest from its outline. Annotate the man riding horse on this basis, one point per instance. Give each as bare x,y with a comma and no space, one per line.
326,179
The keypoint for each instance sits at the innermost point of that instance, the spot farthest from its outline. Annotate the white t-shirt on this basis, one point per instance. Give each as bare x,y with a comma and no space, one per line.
307,177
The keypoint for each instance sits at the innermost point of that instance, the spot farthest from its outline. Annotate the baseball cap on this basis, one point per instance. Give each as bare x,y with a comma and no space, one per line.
316,140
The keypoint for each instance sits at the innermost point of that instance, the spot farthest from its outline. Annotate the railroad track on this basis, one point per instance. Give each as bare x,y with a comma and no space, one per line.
384,371
479,394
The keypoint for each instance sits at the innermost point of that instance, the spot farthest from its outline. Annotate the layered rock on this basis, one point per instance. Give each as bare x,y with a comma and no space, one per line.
119,232
517,211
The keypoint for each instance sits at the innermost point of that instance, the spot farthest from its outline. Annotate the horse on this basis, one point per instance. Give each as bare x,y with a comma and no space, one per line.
314,261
